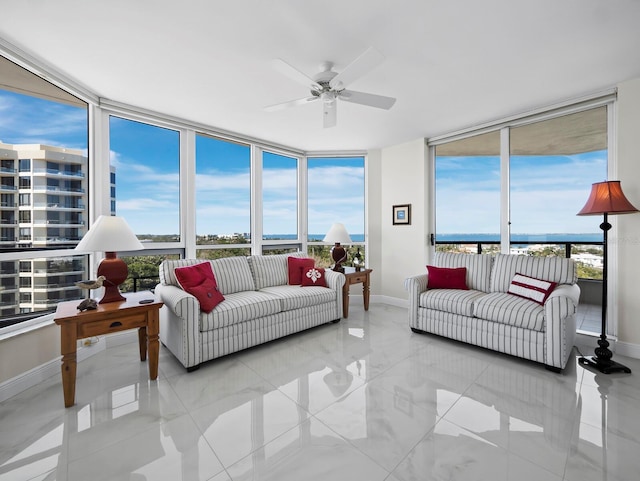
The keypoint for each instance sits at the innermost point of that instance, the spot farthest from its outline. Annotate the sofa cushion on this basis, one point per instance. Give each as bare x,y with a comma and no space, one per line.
296,297
554,269
271,270
295,266
239,307
455,301
313,276
478,267
447,278
507,309
536,290
233,275
199,281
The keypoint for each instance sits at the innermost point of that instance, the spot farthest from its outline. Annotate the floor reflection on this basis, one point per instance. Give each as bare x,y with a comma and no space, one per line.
364,399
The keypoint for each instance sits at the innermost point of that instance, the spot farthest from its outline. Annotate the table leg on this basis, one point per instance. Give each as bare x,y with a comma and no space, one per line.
365,293
345,300
68,346
153,329
142,342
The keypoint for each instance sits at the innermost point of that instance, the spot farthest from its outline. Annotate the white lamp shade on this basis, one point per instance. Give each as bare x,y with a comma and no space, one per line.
109,234
338,233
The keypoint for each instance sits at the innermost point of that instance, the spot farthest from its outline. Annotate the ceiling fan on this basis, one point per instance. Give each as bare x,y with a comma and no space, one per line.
329,86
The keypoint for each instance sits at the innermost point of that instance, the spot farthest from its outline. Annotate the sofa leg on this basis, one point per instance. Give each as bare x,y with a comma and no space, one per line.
417,331
336,321
557,370
193,368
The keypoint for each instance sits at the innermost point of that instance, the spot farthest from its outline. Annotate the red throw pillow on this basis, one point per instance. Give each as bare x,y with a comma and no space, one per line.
199,281
536,290
447,278
313,276
296,265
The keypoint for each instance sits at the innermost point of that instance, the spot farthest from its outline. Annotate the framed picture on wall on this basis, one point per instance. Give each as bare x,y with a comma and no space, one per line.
402,214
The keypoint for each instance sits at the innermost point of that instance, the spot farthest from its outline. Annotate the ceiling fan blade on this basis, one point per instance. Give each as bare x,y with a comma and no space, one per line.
291,103
372,100
330,114
294,74
364,63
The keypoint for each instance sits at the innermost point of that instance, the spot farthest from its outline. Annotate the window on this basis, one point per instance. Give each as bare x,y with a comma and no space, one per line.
535,189
143,271
145,161
467,184
223,197
58,123
335,194
25,165
279,197
552,166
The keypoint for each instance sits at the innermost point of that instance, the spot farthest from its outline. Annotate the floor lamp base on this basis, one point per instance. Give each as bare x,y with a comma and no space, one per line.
605,367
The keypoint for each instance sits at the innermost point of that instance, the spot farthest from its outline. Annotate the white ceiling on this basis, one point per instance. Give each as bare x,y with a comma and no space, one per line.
450,63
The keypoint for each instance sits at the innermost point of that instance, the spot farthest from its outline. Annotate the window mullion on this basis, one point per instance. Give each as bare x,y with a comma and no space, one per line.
505,216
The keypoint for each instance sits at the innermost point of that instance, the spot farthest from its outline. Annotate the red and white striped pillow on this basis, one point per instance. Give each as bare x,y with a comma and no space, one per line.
536,290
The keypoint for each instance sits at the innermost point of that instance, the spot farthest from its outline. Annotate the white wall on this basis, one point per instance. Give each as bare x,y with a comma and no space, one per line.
403,247
374,219
23,352
628,226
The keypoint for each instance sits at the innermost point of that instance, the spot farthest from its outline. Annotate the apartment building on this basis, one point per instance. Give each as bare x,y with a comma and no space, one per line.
43,205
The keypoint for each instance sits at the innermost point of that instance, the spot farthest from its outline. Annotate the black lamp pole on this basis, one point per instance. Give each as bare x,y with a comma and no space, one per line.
602,360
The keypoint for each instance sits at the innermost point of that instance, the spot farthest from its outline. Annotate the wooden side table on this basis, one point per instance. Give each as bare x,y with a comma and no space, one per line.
107,318
355,277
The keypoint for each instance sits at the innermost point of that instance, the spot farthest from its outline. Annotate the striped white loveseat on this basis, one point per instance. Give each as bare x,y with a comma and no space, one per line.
259,306
487,315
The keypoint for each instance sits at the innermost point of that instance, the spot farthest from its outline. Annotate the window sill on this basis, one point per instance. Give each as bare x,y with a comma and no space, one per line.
26,326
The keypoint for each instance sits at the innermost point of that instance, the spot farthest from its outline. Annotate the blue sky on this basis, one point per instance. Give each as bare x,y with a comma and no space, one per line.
546,193
147,174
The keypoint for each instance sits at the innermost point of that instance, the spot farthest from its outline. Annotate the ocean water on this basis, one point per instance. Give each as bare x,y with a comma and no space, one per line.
528,238
312,237
475,238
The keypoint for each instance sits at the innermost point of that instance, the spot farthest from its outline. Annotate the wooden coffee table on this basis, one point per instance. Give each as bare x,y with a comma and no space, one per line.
107,318
355,277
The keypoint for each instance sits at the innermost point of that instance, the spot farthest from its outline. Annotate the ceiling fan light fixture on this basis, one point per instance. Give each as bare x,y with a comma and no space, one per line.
329,86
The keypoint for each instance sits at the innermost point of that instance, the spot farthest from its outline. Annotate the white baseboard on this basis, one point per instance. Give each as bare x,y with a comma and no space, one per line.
391,301
628,349
30,378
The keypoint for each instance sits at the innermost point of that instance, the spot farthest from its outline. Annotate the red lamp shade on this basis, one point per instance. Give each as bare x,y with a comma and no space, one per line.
607,198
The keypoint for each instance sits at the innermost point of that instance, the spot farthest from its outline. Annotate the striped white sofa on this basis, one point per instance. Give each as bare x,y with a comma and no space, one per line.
259,306
487,316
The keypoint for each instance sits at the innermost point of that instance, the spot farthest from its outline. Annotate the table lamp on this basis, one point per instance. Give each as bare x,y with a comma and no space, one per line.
338,235
605,198
109,234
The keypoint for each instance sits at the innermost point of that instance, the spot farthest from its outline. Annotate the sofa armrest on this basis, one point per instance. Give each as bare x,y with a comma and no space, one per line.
572,291
180,323
560,330
416,285
335,281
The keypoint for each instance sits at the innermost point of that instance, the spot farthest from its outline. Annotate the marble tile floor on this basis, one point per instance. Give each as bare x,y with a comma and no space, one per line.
589,318
363,399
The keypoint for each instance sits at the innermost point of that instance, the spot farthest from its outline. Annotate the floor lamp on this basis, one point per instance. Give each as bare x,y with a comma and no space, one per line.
606,198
